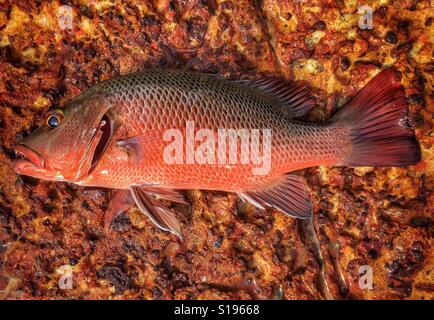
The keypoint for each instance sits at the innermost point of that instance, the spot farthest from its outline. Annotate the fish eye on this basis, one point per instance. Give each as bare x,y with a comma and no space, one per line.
54,118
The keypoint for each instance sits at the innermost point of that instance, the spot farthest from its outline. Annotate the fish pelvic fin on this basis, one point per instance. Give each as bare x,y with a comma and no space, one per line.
159,214
377,120
120,202
295,97
146,199
289,195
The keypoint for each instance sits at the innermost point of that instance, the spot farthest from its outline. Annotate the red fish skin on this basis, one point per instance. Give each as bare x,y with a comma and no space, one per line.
117,170
147,110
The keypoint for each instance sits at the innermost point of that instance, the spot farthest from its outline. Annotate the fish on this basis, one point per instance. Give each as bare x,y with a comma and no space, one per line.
150,135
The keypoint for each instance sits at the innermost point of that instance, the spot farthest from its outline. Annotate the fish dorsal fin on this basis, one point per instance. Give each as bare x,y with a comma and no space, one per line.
296,97
159,214
289,194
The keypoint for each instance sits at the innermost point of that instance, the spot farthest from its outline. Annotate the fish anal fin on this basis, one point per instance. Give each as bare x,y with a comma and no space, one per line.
289,194
159,214
295,97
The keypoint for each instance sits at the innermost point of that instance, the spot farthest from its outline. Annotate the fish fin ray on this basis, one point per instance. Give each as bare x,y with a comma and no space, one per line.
160,215
166,193
377,120
141,146
296,97
290,195
121,201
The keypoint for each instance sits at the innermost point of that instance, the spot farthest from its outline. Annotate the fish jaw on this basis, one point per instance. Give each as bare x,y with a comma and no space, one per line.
32,156
33,164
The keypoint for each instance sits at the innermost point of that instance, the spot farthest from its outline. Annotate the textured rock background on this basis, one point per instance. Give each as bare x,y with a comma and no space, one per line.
363,216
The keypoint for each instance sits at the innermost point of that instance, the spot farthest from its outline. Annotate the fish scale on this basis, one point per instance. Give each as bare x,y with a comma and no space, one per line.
161,100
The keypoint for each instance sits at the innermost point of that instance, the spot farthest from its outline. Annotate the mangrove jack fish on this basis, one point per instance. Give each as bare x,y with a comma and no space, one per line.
153,133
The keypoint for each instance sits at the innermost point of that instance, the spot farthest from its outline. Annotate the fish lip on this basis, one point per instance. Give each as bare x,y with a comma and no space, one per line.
30,156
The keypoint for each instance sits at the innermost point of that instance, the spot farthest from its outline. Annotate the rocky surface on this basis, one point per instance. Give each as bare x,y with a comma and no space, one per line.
377,217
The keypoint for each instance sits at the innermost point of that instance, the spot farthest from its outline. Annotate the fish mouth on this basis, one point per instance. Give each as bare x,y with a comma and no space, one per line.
30,158
103,134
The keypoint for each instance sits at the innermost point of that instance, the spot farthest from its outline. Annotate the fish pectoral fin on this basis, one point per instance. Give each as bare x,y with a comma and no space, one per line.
289,195
159,214
121,201
142,147
296,97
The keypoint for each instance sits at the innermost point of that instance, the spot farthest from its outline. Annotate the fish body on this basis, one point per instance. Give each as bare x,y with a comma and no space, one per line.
151,103
154,132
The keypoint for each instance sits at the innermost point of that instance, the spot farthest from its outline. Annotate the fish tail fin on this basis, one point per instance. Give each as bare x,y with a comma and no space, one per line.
377,121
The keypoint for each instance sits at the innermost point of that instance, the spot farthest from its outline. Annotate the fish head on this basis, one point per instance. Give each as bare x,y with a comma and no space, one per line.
70,142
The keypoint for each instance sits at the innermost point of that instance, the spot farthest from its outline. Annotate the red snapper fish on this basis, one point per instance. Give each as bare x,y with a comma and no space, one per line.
153,133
